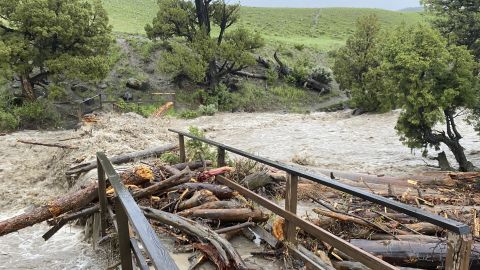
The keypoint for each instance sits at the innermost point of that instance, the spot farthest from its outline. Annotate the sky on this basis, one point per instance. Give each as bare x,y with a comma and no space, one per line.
383,4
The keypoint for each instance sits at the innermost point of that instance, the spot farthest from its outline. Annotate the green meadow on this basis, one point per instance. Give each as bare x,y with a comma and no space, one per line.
324,28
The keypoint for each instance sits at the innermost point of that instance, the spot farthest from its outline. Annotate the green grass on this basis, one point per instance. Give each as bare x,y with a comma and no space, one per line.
324,29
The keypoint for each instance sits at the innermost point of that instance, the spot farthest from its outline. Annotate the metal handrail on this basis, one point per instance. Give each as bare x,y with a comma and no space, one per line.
126,207
448,224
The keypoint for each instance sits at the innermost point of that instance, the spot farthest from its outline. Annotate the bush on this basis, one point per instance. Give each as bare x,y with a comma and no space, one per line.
8,122
321,75
56,93
208,110
37,114
170,158
189,114
197,149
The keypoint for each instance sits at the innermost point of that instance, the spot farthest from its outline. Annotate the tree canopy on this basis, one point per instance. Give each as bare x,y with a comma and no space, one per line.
415,69
432,81
53,37
458,21
355,62
201,57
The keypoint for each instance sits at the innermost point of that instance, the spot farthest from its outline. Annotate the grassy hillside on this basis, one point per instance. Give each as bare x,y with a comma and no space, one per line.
323,29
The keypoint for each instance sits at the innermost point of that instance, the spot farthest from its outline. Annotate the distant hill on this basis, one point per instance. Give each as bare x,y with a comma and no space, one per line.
412,9
322,28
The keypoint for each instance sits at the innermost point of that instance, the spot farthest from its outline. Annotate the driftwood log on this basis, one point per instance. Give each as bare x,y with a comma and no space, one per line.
120,159
199,197
220,191
49,144
413,254
229,215
227,252
211,205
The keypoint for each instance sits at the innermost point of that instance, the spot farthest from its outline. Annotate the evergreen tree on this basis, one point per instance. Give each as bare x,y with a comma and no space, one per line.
39,38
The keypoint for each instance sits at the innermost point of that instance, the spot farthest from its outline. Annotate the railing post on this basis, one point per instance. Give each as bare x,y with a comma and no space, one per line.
459,248
123,236
102,197
291,206
181,145
220,157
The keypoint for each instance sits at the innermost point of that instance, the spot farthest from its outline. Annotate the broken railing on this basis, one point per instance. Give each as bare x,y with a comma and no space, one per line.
128,213
459,239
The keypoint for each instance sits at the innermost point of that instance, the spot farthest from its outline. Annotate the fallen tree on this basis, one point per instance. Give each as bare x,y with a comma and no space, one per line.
119,159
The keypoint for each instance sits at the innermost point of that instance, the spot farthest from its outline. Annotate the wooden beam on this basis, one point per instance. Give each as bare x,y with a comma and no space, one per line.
356,253
459,248
291,206
181,145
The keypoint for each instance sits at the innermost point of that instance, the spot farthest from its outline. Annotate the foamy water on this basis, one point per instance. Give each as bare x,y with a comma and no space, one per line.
26,249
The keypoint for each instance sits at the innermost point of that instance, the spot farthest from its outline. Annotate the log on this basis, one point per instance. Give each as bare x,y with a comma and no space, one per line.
250,75
257,180
210,251
211,205
49,144
427,178
170,182
53,209
120,159
413,254
235,227
408,238
199,197
266,236
264,62
424,228
69,202
222,192
322,263
226,251
59,222
351,218
349,265
230,215
193,165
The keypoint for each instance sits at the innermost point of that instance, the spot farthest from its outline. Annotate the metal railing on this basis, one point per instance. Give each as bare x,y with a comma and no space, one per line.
459,239
128,214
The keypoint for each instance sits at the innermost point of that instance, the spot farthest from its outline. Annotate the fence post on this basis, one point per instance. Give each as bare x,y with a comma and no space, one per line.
123,236
181,145
220,157
291,206
459,248
102,197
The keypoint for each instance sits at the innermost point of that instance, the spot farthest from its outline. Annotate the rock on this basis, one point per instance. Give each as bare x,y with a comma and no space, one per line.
39,91
358,112
17,92
150,70
137,84
80,87
127,96
102,86
16,85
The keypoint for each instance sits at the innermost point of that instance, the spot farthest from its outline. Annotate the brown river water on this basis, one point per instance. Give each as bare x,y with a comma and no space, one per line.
32,175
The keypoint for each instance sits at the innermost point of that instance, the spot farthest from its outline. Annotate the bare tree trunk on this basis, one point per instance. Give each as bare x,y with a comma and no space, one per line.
27,87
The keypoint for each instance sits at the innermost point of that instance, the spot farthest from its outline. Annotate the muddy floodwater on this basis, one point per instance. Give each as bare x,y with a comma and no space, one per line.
33,175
